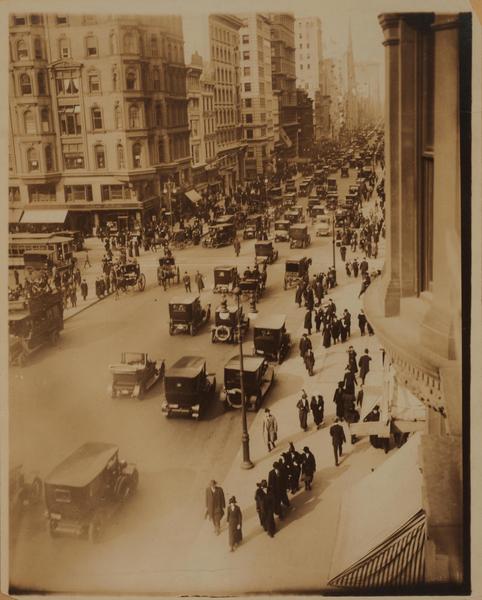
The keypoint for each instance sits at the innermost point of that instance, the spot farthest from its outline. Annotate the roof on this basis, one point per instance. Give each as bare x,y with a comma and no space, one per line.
187,299
291,261
263,243
270,322
250,363
232,308
225,268
43,215
299,226
83,465
282,221
186,366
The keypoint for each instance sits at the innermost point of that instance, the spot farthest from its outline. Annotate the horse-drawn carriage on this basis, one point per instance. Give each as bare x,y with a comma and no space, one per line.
129,276
296,270
167,271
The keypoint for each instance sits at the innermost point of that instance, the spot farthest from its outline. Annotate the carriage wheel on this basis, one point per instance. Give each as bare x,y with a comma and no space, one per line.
141,284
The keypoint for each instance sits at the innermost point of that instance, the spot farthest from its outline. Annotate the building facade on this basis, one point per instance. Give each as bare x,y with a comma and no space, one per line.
309,65
98,114
284,82
416,306
368,92
305,123
334,98
351,101
257,94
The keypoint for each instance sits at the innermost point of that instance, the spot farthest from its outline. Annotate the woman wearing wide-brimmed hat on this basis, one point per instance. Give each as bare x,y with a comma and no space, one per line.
235,521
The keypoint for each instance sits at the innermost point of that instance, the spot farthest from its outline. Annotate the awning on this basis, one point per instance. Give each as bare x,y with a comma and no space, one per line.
193,196
45,216
15,215
380,539
285,137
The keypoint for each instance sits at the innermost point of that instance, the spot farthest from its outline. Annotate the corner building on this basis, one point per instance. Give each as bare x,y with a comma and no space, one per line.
98,116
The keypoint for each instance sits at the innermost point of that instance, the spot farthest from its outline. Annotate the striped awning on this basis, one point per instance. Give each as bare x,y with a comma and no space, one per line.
397,562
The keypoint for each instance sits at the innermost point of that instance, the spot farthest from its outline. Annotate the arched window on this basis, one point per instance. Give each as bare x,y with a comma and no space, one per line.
137,155
117,117
156,79
99,156
29,122
45,120
129,43
37,47
25,85
49,158
32,159
154,46
134,117
131,79
113,43
42,88
22,50
120,157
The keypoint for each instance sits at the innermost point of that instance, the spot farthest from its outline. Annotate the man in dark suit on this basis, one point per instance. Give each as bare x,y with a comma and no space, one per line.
215,505
338,399
337,439
274,484
364,364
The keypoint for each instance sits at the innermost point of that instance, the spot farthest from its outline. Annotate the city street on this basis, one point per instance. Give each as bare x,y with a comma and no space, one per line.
60,400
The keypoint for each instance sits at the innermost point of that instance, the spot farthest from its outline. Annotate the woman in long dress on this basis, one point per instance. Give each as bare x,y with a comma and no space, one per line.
235,521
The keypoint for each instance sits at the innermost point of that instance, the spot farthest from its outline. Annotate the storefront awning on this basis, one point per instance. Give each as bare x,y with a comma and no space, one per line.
380,539
14,215
45,216
193,196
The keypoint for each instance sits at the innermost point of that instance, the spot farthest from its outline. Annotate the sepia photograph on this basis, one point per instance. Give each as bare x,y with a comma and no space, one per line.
238,253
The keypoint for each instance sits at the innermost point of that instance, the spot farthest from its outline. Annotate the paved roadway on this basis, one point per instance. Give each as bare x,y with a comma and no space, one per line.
60,400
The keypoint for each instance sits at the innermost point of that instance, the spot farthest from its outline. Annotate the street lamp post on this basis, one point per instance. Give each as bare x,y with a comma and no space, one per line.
169,187
246,464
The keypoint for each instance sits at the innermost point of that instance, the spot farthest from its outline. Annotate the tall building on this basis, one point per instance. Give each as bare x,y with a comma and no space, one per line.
284,81
415,308
98,115
305,122
368,92
351,110
309,64
257,93
334,97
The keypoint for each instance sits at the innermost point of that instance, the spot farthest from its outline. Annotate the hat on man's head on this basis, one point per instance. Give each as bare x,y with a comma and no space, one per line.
306,449
212,482
232,500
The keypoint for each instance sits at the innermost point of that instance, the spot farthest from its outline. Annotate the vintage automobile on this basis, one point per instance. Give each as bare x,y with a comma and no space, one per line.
275,192
292,215
24,489
354,189
281,230
225,220
225,327
219,235
188,387
345,171
289,199
265,250
332,185
351,199
290,186
85,490
299,209
186,314
299,236
33,323
319,177
341,217
225,279
258,379
296,270
134,374
323,226
312,201
253,281
254,223
317,210
305,187
332,201
167,266
271,338
130,276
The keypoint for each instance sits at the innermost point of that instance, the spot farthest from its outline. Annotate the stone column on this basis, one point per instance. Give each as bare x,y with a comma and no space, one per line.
390,24
442,320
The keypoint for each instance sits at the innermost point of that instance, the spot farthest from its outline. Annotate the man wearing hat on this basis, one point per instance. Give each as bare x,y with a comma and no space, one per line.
308,467
337,439
260,501
270,429
269,505
215,505
235,521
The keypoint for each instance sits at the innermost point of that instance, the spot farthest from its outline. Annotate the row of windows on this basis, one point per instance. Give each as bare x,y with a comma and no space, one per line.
224,76
225,136
226,116
250,132
223,95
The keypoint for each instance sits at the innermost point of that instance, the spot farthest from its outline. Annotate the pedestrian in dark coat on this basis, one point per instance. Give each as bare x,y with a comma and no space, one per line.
349,381
347,321
335,330
269,504
309,360
364,266
299,295
305,344
338,400
343,252
295,468
327,336
370,329
359,397
352,359
364,364
260,501
235,522
308,467
315,411
84,290
308,323
337,439
215,505
355,267
309,298
274,485
362,322
348,268
321,410
282,472
303,410
318,319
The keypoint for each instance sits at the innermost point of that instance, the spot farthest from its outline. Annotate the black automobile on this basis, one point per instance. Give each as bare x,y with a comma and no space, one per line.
289,199
299,236
225,279
281,230
271,338
188,387
186,315
266,250
226,318
290,186
258,379
254,224
83,492
219,235
345,171
296,270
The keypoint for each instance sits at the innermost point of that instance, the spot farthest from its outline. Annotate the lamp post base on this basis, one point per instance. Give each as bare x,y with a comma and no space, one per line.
247,464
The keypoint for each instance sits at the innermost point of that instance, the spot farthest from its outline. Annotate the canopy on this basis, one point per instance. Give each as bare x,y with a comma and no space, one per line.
15,215
193,195
380,540
50,215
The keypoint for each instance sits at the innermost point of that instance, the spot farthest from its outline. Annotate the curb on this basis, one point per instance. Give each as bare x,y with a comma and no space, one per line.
81,310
